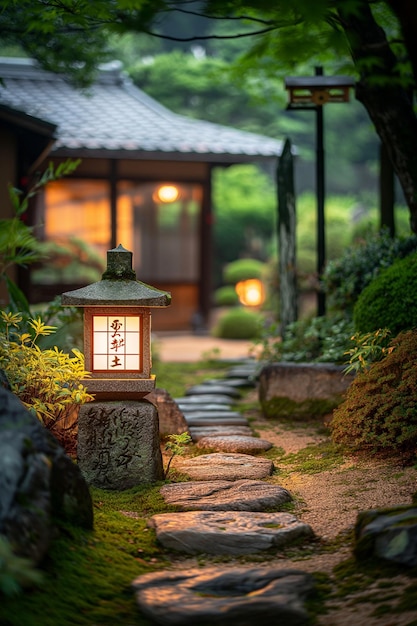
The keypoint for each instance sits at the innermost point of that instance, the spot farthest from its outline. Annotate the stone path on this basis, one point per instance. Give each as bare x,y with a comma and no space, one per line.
222,511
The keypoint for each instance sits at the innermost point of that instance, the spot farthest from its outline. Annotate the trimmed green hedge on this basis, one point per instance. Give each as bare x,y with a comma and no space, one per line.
243,269
226,296
389,301
239,323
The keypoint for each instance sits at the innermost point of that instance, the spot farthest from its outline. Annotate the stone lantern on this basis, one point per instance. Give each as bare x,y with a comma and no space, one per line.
117,329
118,433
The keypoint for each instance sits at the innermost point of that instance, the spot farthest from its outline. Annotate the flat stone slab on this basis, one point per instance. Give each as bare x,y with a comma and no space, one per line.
197,432
225,495
227,532
232,597
202,406
206,398
230,382
250,370
216,419
235,443
225,466
194,412
218,389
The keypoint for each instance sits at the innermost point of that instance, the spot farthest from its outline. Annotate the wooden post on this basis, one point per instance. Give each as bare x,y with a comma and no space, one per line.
287,238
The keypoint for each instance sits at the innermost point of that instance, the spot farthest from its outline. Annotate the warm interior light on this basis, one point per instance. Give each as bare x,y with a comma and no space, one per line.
117,343
250,292
167,193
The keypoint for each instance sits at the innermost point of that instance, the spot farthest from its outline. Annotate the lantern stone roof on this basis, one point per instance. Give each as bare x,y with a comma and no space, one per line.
118,286
114,118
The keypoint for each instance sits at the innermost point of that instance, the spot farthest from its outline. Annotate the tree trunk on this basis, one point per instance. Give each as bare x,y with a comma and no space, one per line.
388,103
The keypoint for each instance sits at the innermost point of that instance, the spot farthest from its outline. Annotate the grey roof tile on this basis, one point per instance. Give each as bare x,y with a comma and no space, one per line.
114,116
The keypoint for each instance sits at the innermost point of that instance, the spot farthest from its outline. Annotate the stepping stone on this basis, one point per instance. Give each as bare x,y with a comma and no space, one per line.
196,406
229,382
214,415
251,370
207,398
225,466
236,596
213,418
197,432
227,532
225,495
235,443
218,389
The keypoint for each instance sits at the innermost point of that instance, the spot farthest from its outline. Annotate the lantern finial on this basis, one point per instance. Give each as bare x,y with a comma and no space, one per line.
119,265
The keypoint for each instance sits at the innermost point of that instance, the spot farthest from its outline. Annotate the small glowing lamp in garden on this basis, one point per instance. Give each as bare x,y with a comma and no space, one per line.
251,292
117,329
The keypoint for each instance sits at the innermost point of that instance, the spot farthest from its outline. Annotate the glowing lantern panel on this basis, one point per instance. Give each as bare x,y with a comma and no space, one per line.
116,343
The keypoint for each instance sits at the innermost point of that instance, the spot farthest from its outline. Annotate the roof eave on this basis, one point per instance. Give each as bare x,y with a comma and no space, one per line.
144,155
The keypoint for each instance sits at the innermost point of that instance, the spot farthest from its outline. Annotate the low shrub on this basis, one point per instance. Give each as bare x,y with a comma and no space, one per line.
389,301
48,382
318,339
239,323
243,269
226,296
379,412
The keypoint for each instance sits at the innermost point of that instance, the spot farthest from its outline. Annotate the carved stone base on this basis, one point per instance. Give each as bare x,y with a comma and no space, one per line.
118,444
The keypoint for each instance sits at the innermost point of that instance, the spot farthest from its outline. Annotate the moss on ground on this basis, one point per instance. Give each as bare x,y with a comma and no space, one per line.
87,575
312,408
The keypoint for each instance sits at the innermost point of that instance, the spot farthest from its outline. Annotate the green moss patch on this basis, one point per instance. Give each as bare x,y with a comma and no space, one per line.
285,408
87,575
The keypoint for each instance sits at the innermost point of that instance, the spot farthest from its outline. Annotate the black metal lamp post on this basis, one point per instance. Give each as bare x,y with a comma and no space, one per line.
311,93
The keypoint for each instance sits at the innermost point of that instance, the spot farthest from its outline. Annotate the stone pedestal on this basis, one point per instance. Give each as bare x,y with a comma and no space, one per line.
118,444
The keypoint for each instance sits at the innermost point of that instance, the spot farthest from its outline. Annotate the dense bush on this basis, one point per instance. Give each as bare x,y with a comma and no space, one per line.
380,409
345,278
319,339
389,301
239,323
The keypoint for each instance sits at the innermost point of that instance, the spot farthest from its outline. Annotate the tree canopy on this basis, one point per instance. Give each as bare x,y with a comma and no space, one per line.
372,39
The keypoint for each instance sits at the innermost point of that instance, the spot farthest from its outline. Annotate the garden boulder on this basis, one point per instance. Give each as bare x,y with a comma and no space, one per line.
299,390
39,483
389,534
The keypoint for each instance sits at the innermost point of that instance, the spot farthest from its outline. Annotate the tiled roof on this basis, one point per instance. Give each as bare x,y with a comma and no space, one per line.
115,118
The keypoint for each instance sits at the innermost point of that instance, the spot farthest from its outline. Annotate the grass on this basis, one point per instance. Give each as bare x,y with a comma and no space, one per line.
177,377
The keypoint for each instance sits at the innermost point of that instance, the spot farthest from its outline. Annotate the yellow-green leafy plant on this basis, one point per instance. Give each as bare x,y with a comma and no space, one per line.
48,382
368,348
176,446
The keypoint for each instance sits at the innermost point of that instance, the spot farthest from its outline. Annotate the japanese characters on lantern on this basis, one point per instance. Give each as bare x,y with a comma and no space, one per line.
116,344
